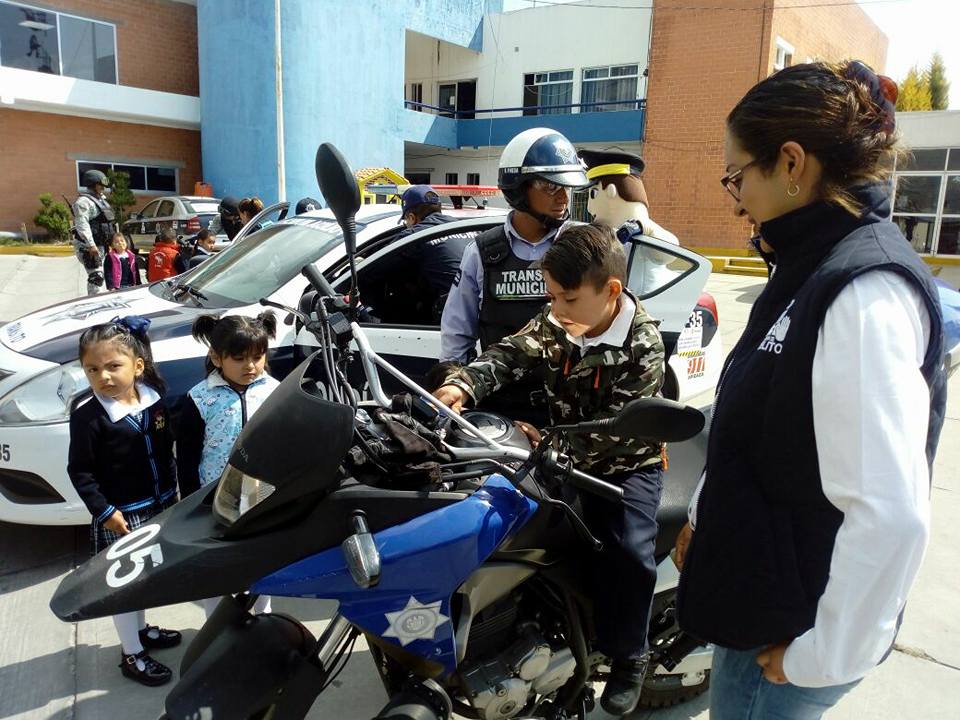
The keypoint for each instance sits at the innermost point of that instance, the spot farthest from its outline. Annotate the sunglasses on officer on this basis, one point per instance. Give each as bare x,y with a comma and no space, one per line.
545,186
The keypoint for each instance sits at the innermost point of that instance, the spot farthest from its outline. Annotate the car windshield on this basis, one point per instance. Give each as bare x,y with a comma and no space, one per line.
261,263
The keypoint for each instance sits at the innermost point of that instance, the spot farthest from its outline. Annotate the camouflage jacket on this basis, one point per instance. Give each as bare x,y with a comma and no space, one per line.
590,386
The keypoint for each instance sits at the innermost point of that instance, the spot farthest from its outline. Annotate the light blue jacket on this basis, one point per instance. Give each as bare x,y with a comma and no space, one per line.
224,412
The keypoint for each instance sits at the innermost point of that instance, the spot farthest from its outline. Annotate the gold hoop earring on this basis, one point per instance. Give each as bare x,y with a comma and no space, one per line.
796,189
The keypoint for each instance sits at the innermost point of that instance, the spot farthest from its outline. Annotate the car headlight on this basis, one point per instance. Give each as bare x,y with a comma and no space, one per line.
46,398
238,493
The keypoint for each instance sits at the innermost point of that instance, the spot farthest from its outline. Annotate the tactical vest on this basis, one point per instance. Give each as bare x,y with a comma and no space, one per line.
513,291
103,225
760,556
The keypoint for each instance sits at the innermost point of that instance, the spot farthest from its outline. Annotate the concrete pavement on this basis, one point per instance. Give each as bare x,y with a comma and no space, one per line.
50,669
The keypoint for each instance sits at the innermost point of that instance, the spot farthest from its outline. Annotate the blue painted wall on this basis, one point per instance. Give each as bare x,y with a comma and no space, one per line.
343,81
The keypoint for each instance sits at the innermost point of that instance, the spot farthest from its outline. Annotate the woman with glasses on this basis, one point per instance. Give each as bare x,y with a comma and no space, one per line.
813,514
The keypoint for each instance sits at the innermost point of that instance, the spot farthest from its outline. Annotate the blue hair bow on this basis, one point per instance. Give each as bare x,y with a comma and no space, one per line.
136,325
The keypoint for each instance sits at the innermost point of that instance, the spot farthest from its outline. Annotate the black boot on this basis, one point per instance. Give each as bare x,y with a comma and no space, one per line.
622,693
158,638
153,673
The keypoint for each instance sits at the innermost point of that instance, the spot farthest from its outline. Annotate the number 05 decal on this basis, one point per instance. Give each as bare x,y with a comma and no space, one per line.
134,547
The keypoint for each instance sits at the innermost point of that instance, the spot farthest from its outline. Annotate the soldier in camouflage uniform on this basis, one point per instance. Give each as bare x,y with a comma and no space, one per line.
599,349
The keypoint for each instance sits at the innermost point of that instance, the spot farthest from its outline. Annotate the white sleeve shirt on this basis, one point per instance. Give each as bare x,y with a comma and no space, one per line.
871,410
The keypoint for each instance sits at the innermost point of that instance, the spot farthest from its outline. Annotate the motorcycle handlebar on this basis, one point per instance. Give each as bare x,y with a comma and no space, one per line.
595,486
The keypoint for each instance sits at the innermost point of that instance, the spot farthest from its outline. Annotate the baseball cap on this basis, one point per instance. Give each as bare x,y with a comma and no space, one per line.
417,195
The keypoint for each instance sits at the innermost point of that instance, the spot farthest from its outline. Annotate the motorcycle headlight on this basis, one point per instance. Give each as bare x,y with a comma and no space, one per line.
237,493
46,398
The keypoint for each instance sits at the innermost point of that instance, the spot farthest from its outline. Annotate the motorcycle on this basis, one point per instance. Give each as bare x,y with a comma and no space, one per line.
453,547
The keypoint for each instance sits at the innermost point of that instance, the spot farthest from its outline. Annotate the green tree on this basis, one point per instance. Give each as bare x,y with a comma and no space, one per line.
914,92
938,83
120,197
54,217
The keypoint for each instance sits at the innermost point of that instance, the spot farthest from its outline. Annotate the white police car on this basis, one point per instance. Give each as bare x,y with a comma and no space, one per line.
41,380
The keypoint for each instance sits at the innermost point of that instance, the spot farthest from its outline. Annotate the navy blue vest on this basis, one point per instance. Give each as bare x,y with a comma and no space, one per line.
760,556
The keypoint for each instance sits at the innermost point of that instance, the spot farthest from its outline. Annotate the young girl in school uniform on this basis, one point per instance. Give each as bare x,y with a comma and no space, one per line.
218,407
121,463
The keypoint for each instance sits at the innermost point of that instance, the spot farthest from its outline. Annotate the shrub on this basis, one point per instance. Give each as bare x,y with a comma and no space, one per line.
120,198
54,217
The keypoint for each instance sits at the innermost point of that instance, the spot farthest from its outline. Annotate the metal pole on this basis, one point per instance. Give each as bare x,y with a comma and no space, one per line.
278,69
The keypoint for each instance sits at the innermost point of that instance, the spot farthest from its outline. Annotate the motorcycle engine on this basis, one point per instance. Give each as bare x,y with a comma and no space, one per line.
501,687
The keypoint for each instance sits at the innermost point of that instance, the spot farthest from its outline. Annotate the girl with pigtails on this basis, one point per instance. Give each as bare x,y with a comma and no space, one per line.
218,407
121,463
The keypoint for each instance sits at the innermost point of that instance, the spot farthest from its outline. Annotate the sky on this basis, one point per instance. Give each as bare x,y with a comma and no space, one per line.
915,28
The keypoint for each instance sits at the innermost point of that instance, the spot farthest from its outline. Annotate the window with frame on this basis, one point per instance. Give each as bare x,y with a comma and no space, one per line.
784,56
473,178
616,84
926,204
143,178
452,179
544,93
57,43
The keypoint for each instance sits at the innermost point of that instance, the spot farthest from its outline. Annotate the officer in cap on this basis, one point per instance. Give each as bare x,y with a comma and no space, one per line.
618,199
307,204
428,266
93,228
498,289
227,220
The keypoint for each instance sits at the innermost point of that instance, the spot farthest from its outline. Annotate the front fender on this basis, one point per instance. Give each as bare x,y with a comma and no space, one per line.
253,662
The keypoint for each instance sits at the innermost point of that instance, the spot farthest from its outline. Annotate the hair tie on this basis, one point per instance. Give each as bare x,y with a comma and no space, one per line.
136,325
883,92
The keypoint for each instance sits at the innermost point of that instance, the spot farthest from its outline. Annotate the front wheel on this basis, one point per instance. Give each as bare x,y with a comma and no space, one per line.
660,691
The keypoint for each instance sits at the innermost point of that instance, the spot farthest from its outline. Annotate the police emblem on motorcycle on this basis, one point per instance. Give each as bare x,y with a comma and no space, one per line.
415,622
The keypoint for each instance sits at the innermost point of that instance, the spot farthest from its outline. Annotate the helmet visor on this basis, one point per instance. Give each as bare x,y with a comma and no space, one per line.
567,178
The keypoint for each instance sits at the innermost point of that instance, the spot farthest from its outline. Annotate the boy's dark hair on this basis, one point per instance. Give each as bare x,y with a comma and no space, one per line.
130,334
203,234
235,334
585,253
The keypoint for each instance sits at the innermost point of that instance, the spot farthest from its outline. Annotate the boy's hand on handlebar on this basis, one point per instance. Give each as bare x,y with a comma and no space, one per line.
533,435
451,396
117,523
682,544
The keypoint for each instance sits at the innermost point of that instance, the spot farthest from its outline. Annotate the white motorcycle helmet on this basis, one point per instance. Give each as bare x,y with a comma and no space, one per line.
538,153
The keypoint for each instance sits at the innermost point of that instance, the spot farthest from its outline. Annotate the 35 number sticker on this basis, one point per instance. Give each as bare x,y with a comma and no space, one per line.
5,453
134,549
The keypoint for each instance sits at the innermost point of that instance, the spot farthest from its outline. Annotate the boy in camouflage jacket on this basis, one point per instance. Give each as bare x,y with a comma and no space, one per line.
599,350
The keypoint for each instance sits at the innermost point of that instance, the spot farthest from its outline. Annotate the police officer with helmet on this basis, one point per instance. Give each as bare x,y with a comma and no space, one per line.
93,228
497,289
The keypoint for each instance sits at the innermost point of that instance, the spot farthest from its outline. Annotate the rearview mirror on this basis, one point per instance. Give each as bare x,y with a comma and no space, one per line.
339,189
653,419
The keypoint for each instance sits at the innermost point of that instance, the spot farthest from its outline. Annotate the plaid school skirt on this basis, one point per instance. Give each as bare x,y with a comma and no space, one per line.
101,538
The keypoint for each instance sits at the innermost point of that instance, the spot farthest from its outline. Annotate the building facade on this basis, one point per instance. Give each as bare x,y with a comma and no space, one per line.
93,84
432,88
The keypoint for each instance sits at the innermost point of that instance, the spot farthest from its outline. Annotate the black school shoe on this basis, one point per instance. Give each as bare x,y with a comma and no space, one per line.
153,673
164,638
622,693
